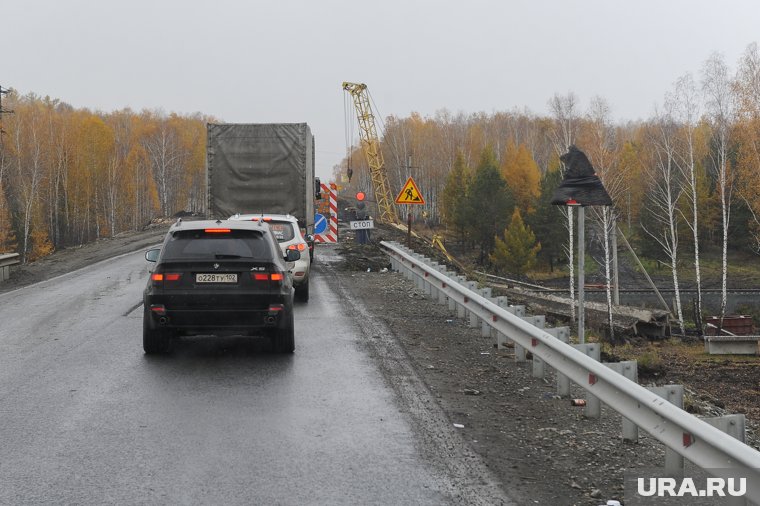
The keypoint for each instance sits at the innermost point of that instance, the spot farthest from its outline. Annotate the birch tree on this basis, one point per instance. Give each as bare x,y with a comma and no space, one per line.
664,193
602,152
686,109
563,136
721,108
29,171
747,87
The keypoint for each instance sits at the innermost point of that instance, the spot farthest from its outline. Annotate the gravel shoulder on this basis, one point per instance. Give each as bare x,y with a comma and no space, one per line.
541,449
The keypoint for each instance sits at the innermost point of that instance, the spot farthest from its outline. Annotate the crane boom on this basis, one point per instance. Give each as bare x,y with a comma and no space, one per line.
371,144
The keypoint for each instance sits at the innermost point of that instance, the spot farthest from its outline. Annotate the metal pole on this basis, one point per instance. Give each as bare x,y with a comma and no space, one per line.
581,273
409,228
615,270
646,274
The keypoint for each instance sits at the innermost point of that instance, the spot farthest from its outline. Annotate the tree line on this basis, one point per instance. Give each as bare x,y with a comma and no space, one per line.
684,180
70,176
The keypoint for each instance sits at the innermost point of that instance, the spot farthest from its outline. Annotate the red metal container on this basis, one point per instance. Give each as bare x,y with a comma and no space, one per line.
738,325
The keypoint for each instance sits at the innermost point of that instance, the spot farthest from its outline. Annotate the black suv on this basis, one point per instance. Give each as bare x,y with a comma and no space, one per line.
218,278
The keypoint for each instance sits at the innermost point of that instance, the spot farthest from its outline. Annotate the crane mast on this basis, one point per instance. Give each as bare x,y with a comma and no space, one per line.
371,144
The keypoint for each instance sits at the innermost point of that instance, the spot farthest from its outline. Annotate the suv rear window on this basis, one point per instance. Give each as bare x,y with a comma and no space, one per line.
282,230
195,244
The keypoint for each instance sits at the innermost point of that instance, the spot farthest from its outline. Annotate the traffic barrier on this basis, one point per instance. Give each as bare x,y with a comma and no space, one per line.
7,261
686,435
331,234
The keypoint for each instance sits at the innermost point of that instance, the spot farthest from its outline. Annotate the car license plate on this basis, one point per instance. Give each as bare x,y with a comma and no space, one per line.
214,277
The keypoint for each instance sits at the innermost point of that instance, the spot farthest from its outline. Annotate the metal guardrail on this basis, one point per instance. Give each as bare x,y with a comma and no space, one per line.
7,260
699,442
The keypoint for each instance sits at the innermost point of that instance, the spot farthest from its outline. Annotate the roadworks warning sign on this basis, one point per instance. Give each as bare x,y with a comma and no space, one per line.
410,194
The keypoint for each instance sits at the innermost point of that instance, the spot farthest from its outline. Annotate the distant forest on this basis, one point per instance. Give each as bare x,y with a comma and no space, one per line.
689,174
70,176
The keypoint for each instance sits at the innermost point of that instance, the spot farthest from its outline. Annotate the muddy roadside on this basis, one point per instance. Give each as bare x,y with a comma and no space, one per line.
67,260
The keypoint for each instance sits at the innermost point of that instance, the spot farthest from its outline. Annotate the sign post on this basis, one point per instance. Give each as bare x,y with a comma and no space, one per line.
410,194
580,187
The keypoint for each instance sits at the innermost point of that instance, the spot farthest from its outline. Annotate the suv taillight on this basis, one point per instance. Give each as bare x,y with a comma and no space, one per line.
159,278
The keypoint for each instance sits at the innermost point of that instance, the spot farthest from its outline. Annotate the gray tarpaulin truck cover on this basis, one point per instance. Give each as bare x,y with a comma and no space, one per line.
261,168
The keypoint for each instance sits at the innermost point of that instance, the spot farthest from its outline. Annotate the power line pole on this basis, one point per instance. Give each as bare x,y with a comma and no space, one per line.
3,111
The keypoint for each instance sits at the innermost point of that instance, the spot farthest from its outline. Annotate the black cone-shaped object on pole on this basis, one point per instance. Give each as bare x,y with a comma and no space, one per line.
581,186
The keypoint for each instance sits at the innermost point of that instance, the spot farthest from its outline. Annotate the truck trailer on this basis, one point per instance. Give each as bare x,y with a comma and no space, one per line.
261,168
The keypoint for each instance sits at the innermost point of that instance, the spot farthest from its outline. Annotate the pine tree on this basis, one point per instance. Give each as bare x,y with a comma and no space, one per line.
489,203
454,202
516,253
546,222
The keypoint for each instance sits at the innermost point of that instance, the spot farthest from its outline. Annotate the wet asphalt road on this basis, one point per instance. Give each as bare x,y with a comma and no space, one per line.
86,418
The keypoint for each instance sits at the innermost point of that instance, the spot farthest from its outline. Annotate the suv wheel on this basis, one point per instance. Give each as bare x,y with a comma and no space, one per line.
302,292
155,341
283,340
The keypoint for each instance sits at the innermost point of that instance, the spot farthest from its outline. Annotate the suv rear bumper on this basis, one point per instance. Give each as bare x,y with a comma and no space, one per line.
190,315
198,320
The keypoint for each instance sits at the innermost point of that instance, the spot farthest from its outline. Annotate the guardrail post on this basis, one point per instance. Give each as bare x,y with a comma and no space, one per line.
519,350
485,325
474,320
419,276
442,298
674,395
563,382
593,407
430,289
733,425
461,310
520,311
396,263
406,270
538,321
519,353
501,338
629,369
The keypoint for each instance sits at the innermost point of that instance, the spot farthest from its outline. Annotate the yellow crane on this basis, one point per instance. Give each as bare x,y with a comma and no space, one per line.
371,144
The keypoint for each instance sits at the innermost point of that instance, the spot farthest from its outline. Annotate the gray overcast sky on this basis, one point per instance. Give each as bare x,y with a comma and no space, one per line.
284,60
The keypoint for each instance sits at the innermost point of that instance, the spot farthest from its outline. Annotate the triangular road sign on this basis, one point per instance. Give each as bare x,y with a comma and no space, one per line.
410,194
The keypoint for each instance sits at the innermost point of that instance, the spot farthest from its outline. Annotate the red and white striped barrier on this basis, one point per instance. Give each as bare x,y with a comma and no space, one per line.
331,234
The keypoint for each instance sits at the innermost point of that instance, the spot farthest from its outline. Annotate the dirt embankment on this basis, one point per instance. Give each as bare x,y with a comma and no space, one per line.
70,259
